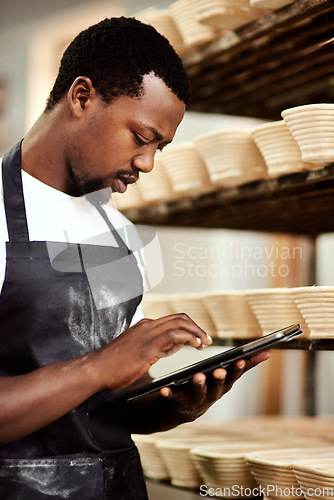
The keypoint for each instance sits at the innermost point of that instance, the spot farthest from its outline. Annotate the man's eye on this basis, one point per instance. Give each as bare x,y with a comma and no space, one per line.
139,140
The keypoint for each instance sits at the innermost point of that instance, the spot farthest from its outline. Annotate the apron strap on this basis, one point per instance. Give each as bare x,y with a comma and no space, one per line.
14,200
13,195
116,235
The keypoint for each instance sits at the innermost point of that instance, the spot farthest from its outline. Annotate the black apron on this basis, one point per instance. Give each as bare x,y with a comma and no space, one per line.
48,313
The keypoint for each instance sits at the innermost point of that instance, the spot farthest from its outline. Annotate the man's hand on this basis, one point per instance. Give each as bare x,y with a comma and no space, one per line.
131,355
191,400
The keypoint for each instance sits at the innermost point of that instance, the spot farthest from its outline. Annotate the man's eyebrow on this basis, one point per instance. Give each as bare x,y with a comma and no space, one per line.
153,130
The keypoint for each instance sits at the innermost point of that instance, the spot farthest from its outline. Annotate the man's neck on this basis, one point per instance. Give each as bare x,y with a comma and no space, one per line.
43,150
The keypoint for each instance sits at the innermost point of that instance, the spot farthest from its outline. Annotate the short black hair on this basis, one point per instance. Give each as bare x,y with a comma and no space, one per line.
115,54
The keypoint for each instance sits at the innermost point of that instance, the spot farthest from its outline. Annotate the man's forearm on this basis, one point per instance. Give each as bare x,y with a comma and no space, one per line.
29,402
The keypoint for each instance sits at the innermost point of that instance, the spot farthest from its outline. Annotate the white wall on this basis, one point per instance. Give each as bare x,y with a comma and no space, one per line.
13,75
325,360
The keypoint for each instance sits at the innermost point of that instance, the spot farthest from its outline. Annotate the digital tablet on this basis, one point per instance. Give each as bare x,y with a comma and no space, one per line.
221,360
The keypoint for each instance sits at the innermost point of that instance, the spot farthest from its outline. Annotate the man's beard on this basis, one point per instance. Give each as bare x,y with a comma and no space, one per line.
93,189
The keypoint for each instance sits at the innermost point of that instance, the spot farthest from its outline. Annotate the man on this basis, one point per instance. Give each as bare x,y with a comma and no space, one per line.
67,350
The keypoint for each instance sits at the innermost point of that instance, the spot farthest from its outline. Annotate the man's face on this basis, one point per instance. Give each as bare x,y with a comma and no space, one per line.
113,143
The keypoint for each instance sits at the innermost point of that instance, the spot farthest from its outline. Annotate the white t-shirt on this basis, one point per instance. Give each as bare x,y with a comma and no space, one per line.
55,216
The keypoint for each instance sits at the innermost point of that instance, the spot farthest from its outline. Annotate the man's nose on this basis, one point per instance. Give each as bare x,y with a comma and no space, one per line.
144,162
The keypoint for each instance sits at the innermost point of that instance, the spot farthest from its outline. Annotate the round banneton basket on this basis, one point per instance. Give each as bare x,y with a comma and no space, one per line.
156,306
193,32
227,14
275,308
155,186
152,463
175,449
177,459
273,469
193,305
315,477
312,126
316,304
232,157
232,315
151,459
132,198
224,466
279,149
185,169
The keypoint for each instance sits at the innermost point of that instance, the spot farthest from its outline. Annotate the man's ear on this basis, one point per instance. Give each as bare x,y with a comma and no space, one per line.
80,94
